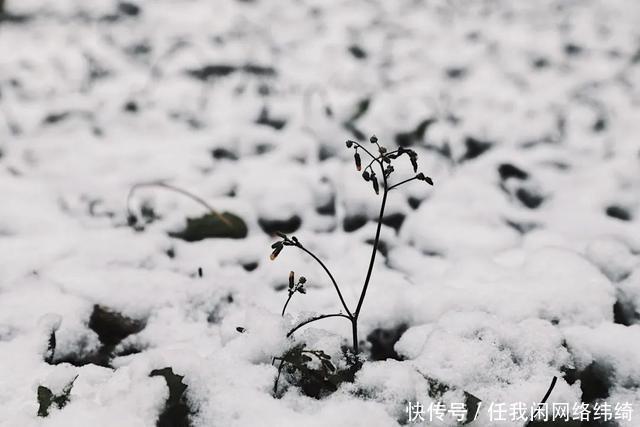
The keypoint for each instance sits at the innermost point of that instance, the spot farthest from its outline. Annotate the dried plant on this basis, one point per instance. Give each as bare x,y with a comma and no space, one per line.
382,162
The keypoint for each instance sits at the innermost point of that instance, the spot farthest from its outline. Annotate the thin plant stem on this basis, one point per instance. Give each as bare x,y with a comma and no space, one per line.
401,182
375,249
544,399
333,280
313,319
287,303
177,190
366,151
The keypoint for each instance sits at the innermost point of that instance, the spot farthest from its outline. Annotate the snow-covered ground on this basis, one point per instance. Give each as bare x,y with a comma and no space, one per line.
520,264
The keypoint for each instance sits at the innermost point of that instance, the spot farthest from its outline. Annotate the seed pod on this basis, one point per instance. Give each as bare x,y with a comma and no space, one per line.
302,280
414,162
302,290
365,175
291,279
428,180
373,139
349,143
376,187
281,235
240,329
275,252
420,176
276,244
356,156
382,150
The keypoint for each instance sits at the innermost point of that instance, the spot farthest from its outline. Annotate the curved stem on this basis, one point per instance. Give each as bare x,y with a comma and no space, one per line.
335,284
286,303
177,190
313,319
401,182
544,399
366,151
375,248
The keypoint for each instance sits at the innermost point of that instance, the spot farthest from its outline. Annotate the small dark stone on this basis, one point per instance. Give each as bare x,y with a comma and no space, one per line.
624,313
618,212
354,222
406,139
383,340
128,9
357,52
211,71
250,266
265,120
600,124
223,153
540,63
211,226
259,70
326,152
286,226
113,327
572,49
455,73
529,198
507,170
131,107
54,118
475,148
328,208
394,220
414,202
263,148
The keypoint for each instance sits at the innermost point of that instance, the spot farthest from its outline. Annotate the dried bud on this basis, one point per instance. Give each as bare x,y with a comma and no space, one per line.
382,150
373,139
291,279
349,143
276,245
365,175
302,290
356,156
414,162
302,280
376,187
275,252
295,239
281,235
424,178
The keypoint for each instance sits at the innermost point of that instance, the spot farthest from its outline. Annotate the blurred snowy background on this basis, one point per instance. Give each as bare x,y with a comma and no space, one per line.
521,263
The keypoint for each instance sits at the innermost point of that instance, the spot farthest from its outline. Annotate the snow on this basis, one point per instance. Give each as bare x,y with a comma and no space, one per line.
501,280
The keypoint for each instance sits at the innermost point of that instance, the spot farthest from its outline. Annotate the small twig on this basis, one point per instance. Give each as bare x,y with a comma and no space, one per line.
287,303
367,151
544,399
177,190
313,319
402,182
